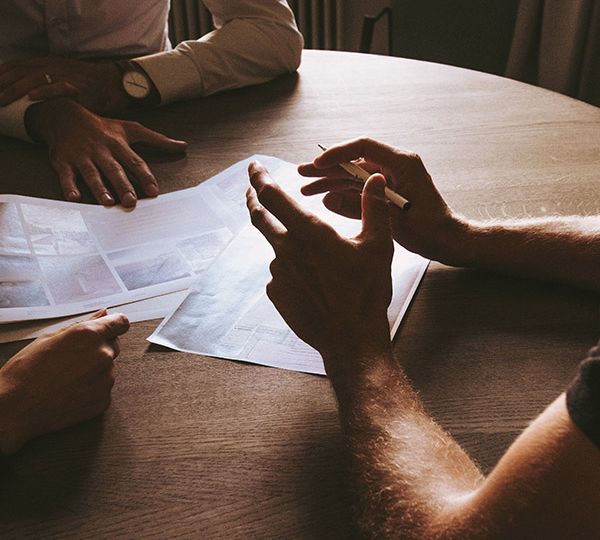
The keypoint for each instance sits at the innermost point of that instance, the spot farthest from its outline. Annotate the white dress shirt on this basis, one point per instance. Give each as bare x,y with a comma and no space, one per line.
254,41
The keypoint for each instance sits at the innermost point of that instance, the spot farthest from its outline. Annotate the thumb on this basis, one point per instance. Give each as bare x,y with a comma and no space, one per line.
141,134
374,208
112,326
100,313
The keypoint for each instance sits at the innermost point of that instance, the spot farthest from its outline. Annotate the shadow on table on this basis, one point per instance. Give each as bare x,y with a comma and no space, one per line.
35,490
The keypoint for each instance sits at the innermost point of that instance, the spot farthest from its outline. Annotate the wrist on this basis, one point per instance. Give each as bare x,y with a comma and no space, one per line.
115,98
41,119
355,356
360,374
457,238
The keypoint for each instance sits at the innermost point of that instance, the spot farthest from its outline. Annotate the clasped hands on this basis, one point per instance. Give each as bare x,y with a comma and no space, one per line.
71,95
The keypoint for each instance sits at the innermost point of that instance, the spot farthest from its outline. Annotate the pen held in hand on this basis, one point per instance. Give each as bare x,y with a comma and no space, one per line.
360,174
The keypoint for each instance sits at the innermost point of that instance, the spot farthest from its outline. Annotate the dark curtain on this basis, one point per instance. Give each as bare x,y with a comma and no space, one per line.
556,44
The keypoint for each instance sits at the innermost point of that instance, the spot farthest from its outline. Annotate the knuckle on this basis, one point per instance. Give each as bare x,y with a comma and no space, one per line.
87,169
106,355
257,216
136,161
85,333
267,192
113,168
272,291
274,267
415,158
364,140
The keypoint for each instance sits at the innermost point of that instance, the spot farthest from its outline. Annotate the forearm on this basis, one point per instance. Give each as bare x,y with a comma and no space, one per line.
408,473
563,249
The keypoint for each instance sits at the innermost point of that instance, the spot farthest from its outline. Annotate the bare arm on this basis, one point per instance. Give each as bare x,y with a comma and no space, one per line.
412,480
565,249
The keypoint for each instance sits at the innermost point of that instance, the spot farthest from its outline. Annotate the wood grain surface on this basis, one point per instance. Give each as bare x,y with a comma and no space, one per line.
205,448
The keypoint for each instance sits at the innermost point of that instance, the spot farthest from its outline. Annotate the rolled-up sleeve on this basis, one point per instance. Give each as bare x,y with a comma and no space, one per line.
254,41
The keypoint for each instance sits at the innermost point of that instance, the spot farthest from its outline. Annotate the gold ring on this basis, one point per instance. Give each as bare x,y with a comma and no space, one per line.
48,78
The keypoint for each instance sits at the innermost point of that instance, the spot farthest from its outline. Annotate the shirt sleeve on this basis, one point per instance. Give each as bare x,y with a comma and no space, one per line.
12,119
583,396
254,41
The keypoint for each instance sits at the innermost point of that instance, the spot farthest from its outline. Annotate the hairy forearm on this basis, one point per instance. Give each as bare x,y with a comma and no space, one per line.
408,473
563,249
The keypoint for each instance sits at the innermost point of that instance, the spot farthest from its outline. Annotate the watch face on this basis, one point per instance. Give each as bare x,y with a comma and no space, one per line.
136,84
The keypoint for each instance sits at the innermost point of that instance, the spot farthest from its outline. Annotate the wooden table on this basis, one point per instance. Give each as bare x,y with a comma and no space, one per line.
206,448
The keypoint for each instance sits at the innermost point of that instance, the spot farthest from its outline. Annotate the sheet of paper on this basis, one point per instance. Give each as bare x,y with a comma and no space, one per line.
228,315
59,258
156,307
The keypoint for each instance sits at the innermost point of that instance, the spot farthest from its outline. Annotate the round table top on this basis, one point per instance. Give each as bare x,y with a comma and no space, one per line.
202,447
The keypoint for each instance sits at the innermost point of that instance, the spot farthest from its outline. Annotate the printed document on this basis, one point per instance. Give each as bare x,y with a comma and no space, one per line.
60,258
228,315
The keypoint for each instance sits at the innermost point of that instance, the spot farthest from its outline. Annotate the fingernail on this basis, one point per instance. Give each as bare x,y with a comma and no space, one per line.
152,190
129,199
73,196
106,199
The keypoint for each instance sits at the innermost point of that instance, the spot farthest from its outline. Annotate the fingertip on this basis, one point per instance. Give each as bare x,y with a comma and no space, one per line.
304,167
120,323
377,182
73,196
100,313
106,199
255,168
152,190
129,200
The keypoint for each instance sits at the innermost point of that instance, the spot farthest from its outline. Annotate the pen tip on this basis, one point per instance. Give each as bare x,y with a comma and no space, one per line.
322,147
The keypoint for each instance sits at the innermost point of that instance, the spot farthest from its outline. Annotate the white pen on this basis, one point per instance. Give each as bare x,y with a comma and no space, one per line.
356,171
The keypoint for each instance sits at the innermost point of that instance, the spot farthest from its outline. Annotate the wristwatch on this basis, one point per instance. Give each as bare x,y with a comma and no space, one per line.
137,84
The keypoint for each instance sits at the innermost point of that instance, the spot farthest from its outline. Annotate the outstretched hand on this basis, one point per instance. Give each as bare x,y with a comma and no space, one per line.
429,228
59,379
332,291
98,150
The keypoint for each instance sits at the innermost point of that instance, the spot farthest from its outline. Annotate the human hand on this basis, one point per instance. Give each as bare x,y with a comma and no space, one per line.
429,228
59,380
332,291
98,150
96,85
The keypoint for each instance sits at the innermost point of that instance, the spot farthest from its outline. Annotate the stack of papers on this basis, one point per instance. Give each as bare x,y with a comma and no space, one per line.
59,259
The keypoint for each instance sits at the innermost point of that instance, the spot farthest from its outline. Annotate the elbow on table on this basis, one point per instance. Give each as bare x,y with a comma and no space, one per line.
293,43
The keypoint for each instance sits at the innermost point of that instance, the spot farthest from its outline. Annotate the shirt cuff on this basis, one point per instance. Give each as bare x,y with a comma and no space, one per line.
174,74
12,119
